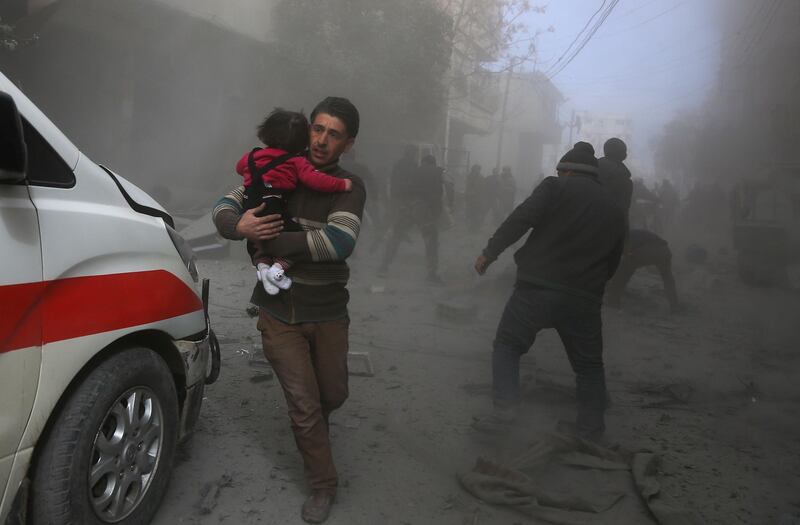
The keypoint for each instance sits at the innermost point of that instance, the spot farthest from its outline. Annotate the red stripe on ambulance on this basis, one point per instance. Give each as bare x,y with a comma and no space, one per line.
39,313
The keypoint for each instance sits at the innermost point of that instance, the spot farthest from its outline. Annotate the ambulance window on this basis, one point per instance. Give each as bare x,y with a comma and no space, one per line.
45,166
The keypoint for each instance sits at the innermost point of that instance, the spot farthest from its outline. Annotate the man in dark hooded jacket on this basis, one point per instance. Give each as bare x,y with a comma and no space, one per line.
614,175
577,236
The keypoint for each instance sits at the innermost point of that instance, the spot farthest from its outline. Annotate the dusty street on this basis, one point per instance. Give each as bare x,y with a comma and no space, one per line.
712,390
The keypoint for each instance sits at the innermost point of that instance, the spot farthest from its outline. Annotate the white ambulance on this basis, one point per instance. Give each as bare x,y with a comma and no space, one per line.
104,333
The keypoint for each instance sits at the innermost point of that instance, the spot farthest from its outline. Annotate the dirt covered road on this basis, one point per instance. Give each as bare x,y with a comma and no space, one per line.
713,391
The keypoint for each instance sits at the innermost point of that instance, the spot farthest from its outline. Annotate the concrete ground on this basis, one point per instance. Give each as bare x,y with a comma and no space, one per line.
713,390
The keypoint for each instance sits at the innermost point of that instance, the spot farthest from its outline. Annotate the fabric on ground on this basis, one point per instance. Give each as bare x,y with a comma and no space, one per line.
526,485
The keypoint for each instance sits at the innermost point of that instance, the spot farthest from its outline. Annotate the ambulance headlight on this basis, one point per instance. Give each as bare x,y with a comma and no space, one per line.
186,253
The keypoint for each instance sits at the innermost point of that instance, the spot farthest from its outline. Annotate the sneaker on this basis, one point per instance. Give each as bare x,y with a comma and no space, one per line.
277,277
317,506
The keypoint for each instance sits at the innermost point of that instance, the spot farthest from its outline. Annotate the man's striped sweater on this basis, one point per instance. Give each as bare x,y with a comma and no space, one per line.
331,223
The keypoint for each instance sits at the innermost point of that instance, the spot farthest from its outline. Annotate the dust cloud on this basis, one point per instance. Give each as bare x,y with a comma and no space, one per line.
705,95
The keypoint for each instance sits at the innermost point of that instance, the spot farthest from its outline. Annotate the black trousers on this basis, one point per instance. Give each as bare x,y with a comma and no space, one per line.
579,325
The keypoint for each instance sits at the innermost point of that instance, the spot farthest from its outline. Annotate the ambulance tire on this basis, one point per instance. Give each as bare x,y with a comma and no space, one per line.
60,485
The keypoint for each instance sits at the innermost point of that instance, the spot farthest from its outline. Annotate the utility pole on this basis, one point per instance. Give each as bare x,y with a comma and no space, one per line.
502,127
571,127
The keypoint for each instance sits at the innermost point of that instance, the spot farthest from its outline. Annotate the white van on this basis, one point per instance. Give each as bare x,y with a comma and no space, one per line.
104,333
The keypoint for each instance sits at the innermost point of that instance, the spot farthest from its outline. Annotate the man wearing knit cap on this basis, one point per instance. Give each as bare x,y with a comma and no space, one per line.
614,175
562,269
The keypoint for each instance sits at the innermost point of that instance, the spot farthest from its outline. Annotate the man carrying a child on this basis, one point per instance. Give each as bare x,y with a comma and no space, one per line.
304,329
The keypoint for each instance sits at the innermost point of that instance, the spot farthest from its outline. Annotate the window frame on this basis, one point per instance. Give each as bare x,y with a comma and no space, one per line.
26,125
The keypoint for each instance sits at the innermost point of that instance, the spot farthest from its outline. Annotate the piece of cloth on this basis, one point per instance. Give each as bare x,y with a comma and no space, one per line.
331,223
578,323
310,362
615,177
522,484
667,512
286,175
644,248
526,483
577,238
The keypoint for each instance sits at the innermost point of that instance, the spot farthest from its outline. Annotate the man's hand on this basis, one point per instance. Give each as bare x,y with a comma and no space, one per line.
255,228
482,263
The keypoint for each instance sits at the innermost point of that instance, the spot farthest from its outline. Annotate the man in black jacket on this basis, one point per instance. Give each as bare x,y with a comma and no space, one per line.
614,175
574,248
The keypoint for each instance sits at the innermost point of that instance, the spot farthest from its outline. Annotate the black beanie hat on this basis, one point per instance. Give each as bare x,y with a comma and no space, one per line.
616,149
579,159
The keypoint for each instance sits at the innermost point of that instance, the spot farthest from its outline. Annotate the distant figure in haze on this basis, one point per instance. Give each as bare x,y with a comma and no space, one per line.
376,189
472,197
645,211
420,206
669,201
402,171
272,172
506,194
577,232
490,192
643,248
614,175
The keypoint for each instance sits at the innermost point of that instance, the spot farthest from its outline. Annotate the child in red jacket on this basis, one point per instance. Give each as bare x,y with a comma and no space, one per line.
270,174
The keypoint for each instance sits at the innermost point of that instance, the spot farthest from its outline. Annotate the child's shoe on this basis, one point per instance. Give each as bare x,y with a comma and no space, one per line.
262,271
276,276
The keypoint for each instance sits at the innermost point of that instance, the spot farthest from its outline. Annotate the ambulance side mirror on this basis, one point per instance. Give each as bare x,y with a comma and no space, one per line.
13,153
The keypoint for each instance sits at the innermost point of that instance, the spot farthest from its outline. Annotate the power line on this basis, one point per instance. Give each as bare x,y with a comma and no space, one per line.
646,21
580,33
585,40
751,49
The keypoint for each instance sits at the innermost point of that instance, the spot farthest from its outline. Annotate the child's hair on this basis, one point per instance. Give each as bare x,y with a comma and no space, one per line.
286,130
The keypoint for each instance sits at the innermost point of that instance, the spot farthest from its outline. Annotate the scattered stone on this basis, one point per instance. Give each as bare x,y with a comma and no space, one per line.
359,364
261,378
210,493
351,423
456,312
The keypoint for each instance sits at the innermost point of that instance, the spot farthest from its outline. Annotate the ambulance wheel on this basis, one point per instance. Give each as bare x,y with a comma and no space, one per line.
107,457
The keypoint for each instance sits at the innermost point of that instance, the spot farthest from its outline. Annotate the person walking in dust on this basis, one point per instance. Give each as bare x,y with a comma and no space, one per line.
420,206
304,330
578,232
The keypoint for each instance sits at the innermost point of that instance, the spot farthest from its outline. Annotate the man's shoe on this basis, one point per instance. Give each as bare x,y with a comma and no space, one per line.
317,506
